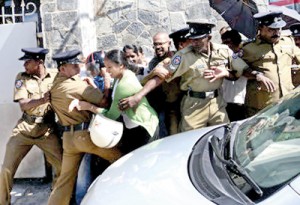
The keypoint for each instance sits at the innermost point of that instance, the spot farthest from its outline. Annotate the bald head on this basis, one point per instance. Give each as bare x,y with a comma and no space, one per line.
161,44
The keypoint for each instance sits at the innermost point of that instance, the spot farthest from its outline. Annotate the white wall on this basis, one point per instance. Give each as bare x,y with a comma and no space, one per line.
13,38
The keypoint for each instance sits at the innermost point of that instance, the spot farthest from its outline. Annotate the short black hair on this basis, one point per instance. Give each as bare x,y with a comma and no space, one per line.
233,35
131,47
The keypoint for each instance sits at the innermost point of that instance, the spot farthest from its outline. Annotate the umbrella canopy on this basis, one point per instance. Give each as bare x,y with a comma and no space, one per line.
290,16
238,14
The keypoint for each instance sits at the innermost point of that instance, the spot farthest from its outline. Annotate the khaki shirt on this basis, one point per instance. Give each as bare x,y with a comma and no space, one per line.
32,87
274,61
65,90
190,66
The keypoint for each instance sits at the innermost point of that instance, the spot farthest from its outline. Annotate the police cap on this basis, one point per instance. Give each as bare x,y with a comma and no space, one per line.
67,57
180,34
295,29
270,19
199,29
34,53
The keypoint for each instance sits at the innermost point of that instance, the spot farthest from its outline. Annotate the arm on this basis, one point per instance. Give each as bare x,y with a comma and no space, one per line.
26,104
83,105
134,100
260,77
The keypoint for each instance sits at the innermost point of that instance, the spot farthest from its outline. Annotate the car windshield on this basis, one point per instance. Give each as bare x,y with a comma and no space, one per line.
268,145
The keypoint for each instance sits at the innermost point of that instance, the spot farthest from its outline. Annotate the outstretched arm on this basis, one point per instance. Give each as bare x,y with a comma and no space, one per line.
83,105
133,101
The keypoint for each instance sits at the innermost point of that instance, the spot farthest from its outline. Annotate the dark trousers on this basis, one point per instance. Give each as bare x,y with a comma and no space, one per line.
235,111
135,138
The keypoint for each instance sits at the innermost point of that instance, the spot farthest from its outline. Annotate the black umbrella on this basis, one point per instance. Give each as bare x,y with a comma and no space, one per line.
238,14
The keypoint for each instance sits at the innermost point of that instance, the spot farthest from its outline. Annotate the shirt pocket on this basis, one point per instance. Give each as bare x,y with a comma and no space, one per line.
197,69
32,90
287,51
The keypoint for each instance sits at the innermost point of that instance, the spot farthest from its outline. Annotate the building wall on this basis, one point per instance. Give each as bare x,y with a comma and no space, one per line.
108,24
91,25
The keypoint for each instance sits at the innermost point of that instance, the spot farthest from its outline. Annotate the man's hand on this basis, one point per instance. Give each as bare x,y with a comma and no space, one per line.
46,98
130,102
215,73
89,81
79,105
268,83
161,72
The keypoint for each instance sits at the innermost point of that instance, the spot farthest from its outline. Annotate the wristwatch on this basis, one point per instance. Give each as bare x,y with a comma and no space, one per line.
256,73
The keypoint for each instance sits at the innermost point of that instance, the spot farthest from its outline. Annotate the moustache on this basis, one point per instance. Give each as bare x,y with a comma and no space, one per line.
275,36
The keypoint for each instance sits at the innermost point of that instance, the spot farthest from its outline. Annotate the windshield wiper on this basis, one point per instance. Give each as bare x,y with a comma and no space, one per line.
234,166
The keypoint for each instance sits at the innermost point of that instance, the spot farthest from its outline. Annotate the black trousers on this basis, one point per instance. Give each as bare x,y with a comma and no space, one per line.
135,138
235,111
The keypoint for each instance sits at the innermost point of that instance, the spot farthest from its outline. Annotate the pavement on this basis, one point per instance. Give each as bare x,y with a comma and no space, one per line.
30,192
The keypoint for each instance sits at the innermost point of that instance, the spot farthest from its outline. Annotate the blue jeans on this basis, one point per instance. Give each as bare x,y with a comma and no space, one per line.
84,178
163,132
90,168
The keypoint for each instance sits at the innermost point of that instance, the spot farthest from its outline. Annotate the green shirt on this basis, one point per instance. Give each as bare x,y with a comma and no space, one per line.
144,115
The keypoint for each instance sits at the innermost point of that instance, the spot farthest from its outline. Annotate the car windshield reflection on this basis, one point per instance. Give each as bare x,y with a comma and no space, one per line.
268,145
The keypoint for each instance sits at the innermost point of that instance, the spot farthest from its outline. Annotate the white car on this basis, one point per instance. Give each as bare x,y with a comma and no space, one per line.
255,161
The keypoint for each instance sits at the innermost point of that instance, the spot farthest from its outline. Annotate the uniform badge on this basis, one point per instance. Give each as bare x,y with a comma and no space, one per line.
235,55
176,60
18,84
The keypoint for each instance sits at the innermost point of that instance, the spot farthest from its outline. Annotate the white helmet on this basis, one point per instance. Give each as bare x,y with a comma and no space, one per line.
104,132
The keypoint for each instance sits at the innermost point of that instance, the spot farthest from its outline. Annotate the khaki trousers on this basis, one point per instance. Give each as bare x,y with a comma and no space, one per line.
17,148
75,144
198,113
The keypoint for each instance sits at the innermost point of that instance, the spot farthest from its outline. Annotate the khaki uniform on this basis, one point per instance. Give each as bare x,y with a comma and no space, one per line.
75,142
29,131
201,112
274,61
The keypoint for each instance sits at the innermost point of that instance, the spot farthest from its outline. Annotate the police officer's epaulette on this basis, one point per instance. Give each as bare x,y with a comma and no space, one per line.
187,49
244,43
217,46
23,74
289,39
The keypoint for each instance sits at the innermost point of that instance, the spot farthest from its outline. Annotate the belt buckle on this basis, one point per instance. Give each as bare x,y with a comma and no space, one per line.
210,94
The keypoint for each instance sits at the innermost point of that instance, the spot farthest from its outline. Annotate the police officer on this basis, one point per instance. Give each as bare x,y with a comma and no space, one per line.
269,58
201,66
295,29
76,138
37,124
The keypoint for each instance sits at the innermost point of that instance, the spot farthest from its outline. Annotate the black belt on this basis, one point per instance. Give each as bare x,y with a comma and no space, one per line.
81,126
202,95
31,119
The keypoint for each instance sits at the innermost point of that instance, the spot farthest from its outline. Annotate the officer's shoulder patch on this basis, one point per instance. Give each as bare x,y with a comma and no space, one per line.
18,84
234,55
176,60
219,46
